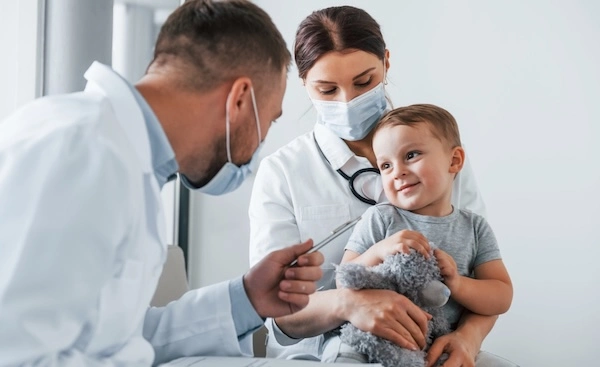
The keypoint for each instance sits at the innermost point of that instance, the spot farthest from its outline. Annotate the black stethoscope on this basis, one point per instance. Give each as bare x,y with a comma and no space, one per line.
352,178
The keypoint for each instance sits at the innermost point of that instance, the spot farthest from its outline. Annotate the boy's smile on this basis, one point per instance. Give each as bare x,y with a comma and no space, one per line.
415,168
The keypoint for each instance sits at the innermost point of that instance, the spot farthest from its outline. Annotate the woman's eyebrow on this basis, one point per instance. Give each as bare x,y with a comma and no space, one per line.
363,73
356,77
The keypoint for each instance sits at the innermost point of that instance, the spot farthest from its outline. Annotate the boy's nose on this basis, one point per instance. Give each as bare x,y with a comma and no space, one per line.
400,171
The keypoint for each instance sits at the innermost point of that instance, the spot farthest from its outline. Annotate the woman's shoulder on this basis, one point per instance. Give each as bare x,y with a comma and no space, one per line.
293,153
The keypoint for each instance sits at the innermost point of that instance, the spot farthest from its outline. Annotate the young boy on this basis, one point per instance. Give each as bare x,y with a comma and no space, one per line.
419,153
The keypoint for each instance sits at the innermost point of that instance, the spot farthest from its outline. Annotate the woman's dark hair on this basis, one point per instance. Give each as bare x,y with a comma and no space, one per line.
337,28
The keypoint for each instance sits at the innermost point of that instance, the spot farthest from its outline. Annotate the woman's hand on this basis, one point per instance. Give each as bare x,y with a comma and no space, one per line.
388,315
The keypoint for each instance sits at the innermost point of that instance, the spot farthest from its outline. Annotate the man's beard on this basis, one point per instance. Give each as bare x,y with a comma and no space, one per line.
218,160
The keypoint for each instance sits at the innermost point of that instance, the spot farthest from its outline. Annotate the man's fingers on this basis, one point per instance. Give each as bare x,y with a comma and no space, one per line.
312,259
300,257
298,286
295,300
311,273
296,250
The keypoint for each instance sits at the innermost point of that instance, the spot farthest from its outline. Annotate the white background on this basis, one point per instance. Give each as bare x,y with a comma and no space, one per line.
523,81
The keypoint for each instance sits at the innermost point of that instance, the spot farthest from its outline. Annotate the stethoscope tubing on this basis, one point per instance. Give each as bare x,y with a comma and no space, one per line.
351,178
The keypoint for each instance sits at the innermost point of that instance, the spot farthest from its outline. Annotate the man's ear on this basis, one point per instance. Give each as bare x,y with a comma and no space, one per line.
239,98
458,159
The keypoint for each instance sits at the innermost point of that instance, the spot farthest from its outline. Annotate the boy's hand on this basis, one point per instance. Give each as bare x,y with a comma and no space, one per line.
448,269
402,241
461,353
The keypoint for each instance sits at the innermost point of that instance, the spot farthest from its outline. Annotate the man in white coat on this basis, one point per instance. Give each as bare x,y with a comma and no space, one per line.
81,235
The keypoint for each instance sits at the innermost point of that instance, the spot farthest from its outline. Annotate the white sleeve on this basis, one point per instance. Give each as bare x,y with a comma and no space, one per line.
272,220
465,193
59,232
199,323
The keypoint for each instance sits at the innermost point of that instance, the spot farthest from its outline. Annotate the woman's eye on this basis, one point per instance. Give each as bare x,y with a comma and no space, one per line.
364,84
328,91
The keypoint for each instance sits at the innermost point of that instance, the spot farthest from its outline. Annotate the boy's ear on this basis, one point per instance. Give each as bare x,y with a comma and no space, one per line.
458,160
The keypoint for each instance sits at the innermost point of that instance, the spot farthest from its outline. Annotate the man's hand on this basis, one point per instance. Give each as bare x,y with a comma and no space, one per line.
275,289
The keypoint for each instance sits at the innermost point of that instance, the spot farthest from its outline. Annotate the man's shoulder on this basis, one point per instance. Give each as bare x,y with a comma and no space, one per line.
56,112
72,121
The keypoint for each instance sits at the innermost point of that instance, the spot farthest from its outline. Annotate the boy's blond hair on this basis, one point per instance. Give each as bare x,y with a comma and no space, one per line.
443,125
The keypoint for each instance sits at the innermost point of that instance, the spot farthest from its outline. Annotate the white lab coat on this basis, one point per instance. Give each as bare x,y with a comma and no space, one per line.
82,240
298,195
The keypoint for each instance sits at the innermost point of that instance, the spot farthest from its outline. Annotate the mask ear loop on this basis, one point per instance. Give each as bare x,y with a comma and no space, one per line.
255,113
385,81
227,138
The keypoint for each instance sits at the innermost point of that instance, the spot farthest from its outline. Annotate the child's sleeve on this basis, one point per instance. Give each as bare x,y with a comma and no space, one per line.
487,245
368,231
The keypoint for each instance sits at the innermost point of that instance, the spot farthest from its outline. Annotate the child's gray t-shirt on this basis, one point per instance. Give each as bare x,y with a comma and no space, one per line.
464,235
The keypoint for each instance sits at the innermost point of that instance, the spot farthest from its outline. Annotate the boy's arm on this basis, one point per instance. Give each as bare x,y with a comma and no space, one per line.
490,293
401,241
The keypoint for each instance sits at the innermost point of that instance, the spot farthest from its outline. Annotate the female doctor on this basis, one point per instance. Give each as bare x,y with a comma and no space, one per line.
326,177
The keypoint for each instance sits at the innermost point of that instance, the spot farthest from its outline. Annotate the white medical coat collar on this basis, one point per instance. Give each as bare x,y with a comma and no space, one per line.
102,79
333,148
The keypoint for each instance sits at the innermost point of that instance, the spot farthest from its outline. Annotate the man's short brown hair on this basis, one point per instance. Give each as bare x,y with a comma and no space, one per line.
210,42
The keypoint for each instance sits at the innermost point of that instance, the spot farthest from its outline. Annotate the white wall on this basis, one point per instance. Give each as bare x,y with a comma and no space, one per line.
20,64
523,81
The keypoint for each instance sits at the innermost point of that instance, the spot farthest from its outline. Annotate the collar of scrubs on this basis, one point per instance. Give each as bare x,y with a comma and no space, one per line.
340,157
102,79
335,150
163,157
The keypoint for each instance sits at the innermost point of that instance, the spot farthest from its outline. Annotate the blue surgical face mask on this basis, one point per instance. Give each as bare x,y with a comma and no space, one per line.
355,119
230,176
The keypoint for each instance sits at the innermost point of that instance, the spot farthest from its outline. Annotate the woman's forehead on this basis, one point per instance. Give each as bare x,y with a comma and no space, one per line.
342,65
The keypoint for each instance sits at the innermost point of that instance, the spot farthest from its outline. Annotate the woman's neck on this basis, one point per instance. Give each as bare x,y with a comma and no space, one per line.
363,148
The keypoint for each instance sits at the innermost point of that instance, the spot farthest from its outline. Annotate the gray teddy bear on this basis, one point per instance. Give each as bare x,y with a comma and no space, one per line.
413,276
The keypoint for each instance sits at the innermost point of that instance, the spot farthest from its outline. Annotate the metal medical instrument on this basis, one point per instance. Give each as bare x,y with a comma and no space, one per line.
334,234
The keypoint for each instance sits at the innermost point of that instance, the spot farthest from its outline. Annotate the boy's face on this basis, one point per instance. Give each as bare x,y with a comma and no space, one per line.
417,169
